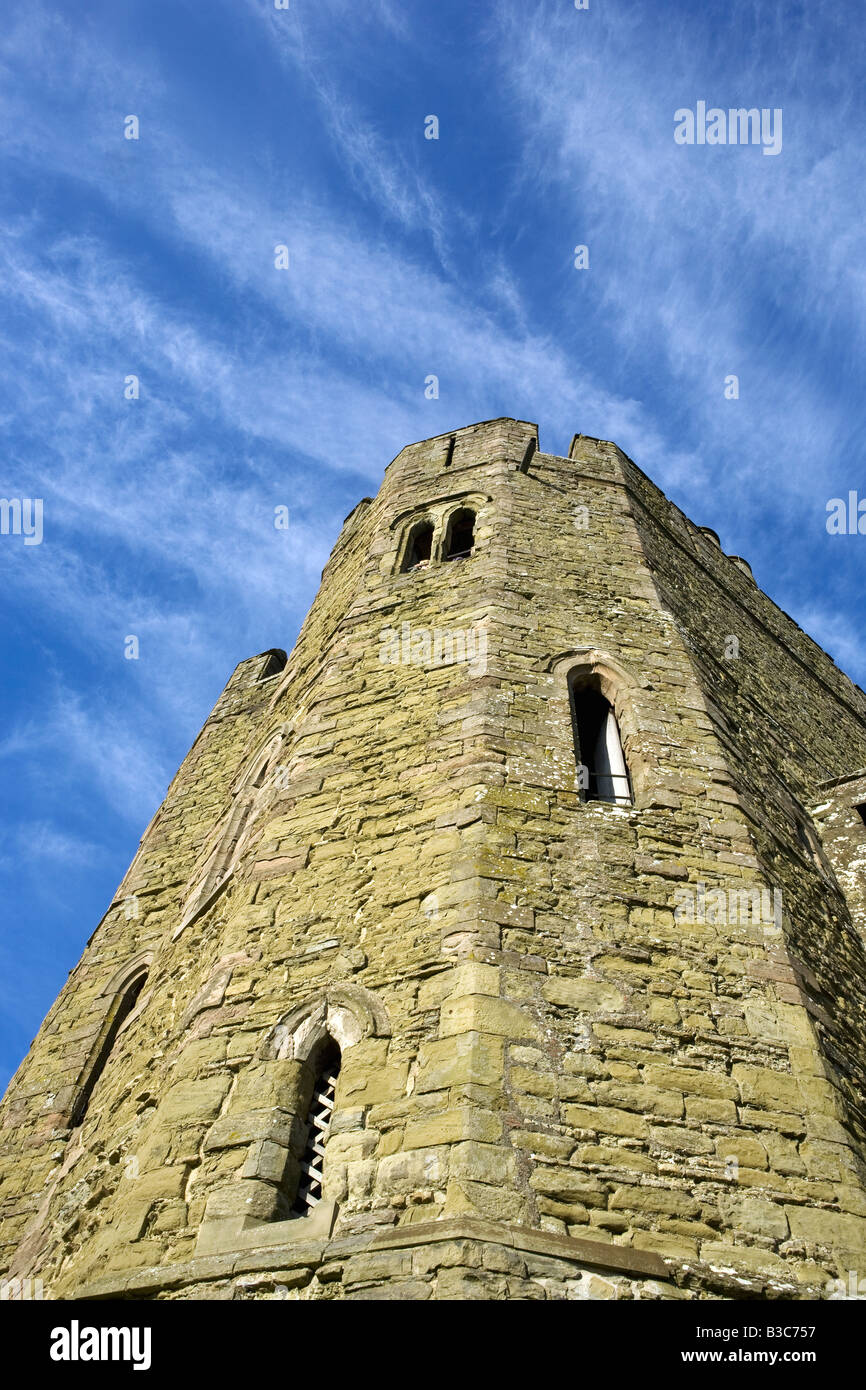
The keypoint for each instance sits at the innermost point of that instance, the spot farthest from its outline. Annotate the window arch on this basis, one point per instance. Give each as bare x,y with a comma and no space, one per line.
312,1162
460,536
604,774
121,1010
250,792
298,1057
273,662
419,546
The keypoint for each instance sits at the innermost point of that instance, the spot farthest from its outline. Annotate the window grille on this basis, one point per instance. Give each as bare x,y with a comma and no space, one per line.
318,1124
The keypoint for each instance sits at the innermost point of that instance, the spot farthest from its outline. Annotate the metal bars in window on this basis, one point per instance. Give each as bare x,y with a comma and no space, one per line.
610,786
319,1122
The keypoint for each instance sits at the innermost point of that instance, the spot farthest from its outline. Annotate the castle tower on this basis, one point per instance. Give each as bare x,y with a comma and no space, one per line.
506,941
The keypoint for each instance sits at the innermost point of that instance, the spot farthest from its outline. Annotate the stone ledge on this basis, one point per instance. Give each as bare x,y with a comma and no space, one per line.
312,1253
592,1252
231,1237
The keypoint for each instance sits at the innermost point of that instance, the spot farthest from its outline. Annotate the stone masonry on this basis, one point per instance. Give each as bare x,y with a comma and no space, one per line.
558,1080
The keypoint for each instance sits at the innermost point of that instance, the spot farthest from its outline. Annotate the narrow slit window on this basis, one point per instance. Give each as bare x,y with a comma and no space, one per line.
861,811
127,1002
599,748
461,535
420,546
259,779
318,1124
275,662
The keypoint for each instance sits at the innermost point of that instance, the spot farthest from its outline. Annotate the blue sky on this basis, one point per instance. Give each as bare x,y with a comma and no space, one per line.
408,257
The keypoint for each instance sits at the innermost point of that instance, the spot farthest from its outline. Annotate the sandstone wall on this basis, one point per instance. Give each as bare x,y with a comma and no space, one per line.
552,1085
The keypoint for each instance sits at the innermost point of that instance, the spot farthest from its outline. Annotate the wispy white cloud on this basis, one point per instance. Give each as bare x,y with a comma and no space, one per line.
839,636
39,842
684,240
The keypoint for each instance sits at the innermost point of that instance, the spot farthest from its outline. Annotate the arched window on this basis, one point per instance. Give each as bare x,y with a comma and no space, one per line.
461,535
604,774
123,1007
252,793
309,1192
274,661
420,546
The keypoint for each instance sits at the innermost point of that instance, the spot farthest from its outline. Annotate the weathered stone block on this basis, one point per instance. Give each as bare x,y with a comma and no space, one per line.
606,1120
193,1100
688,1141
233,1130
488,1163
588,996
546,1145
483,1014
692,1082
664,1201
407,1171
771,1089
468,1057
756,1216
378,1087
828,1228
568,1185
646,1100
716,1112
451,1126
282,1084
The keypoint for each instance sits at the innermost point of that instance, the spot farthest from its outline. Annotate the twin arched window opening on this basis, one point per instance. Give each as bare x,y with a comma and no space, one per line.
602,771
459,540
124,1004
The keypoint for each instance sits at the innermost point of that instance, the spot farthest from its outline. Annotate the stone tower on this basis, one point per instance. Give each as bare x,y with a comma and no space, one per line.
504,942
